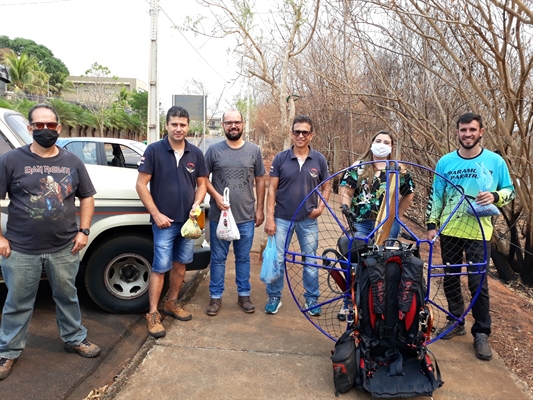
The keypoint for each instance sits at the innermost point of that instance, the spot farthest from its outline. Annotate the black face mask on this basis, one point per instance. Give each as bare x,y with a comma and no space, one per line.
45,137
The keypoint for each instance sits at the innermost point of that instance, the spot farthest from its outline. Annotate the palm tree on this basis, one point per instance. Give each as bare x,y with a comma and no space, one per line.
27,76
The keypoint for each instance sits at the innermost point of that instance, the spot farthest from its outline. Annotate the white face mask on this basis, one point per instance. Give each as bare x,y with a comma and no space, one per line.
380,149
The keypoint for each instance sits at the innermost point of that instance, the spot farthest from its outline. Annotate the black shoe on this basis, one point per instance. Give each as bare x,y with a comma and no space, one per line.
458,330
481,347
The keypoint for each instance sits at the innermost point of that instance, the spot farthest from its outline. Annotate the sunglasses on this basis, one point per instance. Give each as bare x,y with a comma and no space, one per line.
303,133
49,125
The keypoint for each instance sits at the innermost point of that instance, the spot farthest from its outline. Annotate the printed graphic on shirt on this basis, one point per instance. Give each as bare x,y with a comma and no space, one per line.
235,178
190,167
45,190
313,172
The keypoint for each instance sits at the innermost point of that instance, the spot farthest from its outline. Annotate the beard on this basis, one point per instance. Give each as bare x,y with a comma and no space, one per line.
234,135
464,146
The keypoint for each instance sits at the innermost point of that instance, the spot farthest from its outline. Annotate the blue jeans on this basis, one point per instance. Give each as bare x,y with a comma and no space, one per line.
22,273
307,233
219,254
365,227
170,246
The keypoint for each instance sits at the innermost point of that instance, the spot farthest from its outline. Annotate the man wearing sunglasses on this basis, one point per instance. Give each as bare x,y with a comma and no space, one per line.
42,181
293,175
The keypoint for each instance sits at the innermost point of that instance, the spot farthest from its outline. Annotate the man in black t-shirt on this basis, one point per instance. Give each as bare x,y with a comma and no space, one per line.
42,181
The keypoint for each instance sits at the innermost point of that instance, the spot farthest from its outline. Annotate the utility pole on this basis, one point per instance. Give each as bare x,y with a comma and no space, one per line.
153,96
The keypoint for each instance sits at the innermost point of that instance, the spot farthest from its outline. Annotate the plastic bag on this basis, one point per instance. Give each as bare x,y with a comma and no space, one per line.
190,229
227,228
270,270
484,180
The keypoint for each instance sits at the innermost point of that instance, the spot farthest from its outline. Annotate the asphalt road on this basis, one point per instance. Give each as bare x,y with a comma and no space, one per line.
45,371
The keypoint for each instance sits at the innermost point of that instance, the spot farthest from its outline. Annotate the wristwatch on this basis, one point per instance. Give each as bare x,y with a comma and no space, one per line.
86,232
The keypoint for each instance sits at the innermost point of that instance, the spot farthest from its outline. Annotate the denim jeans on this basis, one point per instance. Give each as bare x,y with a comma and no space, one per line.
307,233
219,254
170,246
364,228
22,273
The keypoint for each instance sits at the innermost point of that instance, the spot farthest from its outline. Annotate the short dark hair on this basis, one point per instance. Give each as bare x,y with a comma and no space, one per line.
469,117
177,111
302,119
41,105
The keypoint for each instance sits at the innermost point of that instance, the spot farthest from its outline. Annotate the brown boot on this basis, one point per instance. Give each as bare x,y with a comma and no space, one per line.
246,304
214,307
5,367
84,349
155,327
173,308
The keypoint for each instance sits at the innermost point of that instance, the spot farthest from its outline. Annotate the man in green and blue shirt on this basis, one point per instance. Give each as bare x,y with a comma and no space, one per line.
460,232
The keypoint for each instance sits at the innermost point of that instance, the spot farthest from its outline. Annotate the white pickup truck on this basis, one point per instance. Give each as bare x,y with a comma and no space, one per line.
116,264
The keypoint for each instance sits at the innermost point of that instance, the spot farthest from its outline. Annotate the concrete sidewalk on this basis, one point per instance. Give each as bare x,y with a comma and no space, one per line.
241,356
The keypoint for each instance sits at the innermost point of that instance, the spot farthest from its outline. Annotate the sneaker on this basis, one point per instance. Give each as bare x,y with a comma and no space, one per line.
155,327
176,310
5,367
84,349
481,347
246,304
458,330
314,311
343,313
273,305
214,307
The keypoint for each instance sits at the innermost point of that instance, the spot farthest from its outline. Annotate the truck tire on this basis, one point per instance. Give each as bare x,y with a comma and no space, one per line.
118,272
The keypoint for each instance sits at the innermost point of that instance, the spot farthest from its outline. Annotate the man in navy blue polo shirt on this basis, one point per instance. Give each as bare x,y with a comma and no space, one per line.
177,175
293,175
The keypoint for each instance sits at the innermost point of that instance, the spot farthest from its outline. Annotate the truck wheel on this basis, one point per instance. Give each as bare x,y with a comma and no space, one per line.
118,273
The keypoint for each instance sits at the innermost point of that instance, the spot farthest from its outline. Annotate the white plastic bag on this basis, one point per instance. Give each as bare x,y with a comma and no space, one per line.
227,228
484,180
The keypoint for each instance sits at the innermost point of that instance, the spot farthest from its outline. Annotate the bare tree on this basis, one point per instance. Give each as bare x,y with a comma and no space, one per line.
98,92
266,48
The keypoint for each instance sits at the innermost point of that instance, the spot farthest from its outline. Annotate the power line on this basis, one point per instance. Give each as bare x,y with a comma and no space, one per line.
190,44
34,2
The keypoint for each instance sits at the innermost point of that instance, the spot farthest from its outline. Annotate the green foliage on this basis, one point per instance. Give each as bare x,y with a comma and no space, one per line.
27,76
241,104
196,127
54,67
138,102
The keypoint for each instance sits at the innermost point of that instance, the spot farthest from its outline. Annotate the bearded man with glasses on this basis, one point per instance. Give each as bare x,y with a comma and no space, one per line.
293,175
237,165
42,181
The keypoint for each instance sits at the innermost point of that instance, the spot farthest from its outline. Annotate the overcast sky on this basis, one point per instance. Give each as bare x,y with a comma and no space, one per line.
116,34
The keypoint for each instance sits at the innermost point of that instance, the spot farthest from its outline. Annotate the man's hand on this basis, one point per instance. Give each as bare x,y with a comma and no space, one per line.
259,217
80,241
220,202
5,248
484,198
162,221
315,213
431,234
270,227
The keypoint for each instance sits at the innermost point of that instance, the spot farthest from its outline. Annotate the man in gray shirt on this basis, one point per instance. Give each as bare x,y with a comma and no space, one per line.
234,164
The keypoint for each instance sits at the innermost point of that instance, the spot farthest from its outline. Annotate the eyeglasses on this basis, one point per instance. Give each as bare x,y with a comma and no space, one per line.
49,125
303,133
230,123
